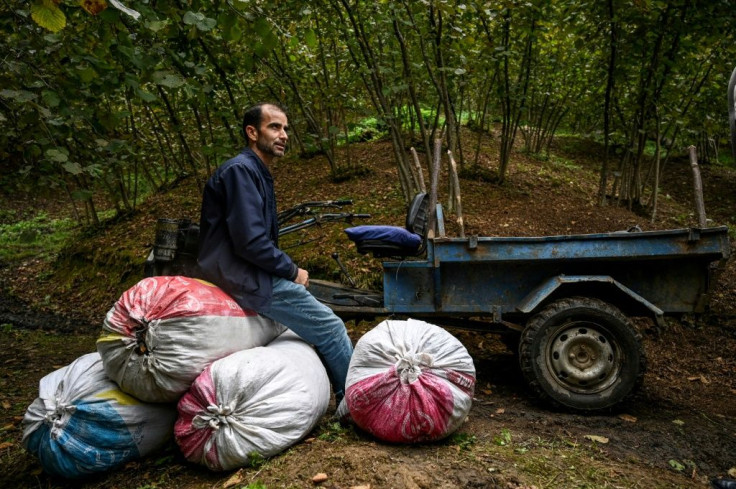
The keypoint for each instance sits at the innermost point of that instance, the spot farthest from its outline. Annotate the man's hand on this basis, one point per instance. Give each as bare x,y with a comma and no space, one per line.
302,277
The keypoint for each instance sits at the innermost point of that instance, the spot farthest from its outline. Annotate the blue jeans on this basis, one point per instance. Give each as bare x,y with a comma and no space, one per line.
294,307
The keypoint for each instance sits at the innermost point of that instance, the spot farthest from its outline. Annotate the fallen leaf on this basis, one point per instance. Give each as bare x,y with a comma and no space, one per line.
5,445
597,439
7,427
701,378
310,440
6,405
500,411
234,480
367,486
678,422
627,417
732,472
487,392
320,478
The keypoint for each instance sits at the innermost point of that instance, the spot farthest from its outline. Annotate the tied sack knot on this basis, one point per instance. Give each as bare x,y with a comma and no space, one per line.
215,417
411,365
58,416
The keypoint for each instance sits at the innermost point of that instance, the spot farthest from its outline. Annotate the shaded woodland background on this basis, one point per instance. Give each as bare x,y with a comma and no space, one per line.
105,106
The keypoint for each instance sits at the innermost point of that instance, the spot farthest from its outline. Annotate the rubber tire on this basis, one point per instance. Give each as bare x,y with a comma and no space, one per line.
590,322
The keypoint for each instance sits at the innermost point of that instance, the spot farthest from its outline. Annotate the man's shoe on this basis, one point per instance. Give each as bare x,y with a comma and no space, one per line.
724,483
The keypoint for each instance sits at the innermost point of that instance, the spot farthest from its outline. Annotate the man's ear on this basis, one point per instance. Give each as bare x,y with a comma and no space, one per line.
251,133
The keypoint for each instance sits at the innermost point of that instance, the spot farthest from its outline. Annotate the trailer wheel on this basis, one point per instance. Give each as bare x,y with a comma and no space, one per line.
582,354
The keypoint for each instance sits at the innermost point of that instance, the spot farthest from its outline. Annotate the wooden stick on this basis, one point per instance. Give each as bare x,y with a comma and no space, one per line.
418,167
456,191
698,184
433,190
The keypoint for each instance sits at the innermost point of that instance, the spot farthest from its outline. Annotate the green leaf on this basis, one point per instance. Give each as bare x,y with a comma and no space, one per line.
145,96
191,18
232,33
73,168
310,38
207,24
88,74
51,98
19,95
199,20
48,15
57,154
168,79
676,465
262,27
156,25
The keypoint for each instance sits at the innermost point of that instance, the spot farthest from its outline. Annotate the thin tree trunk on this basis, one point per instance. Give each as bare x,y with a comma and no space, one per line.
180,134
657,156
412,91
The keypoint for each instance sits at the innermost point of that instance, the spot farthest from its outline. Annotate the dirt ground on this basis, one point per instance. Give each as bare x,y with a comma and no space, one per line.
677,431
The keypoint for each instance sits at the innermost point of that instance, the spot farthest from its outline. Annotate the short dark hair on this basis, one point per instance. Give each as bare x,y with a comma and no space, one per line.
254,115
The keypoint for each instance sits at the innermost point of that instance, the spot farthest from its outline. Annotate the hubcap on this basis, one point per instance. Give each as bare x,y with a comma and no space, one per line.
582,358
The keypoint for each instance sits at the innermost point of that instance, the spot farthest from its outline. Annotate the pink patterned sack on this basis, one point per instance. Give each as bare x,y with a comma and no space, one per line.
163,332
409,381
261,401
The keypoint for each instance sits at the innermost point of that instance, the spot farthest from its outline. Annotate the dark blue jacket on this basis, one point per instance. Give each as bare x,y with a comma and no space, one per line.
238,237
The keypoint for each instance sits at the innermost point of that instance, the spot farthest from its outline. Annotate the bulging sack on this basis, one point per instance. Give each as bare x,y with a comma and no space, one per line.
163,332
409,381
261,400
81,423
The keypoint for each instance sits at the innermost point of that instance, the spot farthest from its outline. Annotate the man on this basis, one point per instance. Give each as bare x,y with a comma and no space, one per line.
238,247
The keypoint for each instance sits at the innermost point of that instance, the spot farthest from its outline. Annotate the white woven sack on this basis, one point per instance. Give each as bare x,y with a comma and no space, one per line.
261,400
163,332
409,381
81,423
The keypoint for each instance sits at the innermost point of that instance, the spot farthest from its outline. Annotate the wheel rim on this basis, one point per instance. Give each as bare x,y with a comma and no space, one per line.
583,358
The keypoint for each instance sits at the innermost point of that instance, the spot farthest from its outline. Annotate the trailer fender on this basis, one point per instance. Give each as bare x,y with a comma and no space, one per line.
538,295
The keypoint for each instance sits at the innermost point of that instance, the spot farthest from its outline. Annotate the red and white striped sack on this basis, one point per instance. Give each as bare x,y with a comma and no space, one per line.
409,381
164,331
261,400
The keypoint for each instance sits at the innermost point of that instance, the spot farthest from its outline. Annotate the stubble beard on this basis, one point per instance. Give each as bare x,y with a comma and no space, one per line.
269,149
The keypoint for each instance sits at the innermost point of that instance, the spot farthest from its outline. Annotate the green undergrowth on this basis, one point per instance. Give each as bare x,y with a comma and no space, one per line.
38,237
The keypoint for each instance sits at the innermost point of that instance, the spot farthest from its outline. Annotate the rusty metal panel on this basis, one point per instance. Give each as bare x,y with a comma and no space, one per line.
713,242
408,287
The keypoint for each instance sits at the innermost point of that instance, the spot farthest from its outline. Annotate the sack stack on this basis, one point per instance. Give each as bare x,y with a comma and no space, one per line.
244,384
118,404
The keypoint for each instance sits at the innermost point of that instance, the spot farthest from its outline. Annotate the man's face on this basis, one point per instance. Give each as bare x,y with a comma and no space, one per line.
270,138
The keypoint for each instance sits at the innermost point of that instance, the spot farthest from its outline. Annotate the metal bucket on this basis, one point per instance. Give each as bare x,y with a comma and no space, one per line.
167,231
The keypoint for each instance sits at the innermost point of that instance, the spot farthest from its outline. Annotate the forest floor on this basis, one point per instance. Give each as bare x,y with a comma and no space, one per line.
677,431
